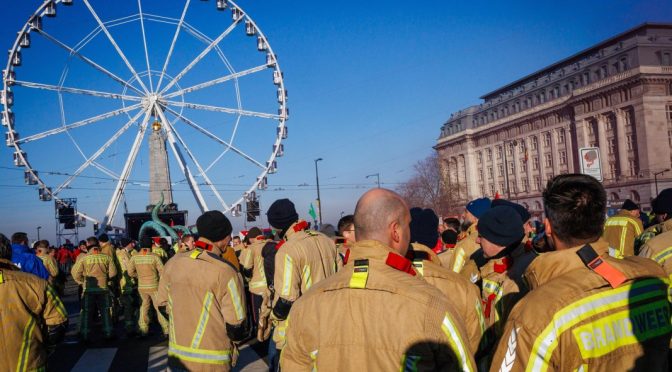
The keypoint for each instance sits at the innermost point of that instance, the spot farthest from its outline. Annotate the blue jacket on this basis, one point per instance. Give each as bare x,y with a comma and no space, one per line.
28,262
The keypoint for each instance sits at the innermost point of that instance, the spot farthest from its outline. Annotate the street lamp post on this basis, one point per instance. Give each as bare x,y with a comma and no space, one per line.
38,232
377,178
655,178
319,202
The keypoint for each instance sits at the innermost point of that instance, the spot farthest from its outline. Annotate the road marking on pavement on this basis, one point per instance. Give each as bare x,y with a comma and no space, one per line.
95,360
158,359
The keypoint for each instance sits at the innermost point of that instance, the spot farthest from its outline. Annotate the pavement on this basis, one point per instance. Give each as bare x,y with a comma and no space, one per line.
124,353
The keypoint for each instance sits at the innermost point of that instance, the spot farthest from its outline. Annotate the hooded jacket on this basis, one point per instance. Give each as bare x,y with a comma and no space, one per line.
28,262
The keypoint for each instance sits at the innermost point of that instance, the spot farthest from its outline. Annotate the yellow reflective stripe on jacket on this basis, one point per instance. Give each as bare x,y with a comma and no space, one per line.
459,260
663,256
604,335
419,267
202,320
2,278
492,287
171,323
360,274
24,353
569,316
199,355
307,279
287,277
456,343
235,298
56,301
313,357
258,284
195,253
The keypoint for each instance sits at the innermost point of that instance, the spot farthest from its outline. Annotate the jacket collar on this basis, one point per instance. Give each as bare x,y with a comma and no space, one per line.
7,264
203,241
429,255
295,228
550,265
20,248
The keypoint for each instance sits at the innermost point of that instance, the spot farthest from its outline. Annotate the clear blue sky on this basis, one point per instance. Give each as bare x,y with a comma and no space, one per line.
370,84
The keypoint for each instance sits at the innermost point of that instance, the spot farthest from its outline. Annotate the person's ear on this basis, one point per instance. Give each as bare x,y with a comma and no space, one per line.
547,227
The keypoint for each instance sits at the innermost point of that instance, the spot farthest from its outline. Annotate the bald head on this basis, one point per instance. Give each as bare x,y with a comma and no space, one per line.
383,215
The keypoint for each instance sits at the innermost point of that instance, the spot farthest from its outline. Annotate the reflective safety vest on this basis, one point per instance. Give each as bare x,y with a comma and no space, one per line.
620,232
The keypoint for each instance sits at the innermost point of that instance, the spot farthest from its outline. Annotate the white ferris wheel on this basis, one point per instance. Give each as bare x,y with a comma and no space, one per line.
87,82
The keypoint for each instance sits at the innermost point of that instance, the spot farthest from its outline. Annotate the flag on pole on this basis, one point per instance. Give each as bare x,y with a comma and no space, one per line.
312,213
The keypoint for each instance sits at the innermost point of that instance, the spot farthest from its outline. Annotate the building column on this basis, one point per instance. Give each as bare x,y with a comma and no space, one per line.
604,147
470,170
584,132
555,156
569,148
622,145
542,158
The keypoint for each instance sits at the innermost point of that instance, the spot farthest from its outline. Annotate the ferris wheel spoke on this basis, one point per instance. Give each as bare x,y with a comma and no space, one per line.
201,56
114,43
88,61
78,124
172,45
208,182
228,145
216,81
125,173
100,151
144,42
227,110
55,88
193,185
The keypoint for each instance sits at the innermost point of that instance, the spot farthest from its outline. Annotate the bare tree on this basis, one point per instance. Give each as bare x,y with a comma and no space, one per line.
430,187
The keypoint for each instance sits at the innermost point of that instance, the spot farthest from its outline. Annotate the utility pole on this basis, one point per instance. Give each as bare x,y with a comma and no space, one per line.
319,202
655,178
377,178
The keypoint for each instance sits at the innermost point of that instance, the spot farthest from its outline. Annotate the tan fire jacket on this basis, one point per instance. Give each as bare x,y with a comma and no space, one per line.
464,249
51,266
372,316
94,270
304,259
502,286
255,262
659,249
148,268
620,232
463,294
573,319
127,283
651,232
28,306
108,249
203,294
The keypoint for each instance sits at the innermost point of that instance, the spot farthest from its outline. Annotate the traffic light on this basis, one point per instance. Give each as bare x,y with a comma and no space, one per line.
252,209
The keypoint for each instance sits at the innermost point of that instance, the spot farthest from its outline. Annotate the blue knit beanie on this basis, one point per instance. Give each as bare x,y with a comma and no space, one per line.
479,206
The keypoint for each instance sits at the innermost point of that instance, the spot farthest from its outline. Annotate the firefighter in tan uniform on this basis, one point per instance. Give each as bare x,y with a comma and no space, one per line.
348,238
659,247
202,293
32,316
621,230
501,234
463,294
147,268
662,208
467,245
376,314
42,252
127,284
252,264
93,272
586,310
304,258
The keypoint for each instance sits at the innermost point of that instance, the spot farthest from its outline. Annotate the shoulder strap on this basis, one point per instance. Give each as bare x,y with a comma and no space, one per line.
602,268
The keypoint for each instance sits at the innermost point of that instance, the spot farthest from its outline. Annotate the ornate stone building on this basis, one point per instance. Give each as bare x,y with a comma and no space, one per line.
616,95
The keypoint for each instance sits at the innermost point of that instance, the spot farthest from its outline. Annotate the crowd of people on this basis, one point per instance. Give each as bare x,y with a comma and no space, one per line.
391,287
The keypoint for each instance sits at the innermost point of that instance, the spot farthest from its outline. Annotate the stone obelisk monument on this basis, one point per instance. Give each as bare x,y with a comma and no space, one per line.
159,174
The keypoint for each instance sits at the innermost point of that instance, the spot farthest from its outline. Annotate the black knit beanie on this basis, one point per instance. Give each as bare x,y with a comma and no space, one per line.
282,214
501,225
424,227
214,226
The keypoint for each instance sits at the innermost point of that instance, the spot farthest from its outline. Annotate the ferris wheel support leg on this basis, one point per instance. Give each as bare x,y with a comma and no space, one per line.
126,172
193,185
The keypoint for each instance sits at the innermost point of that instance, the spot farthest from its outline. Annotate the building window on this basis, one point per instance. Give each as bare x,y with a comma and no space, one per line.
480,176
633,170
563,157
492,189
535,143
535,163
489,154
666,59
509,150
525,184
511,168
556,91
604,71
501,187
624,63
499,152
482,190
537,183
561,136
490,175
628,141
548,161
612,145
547,139
500,169
612,171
